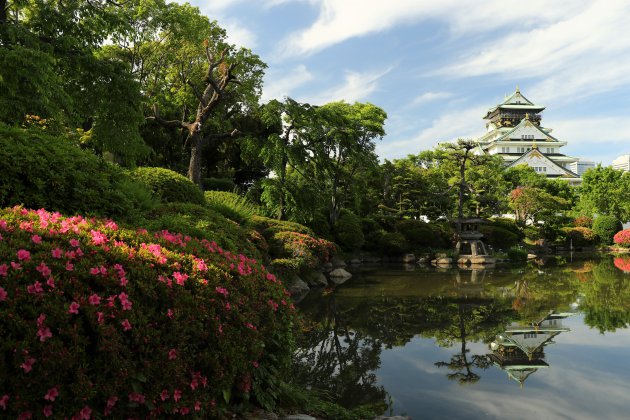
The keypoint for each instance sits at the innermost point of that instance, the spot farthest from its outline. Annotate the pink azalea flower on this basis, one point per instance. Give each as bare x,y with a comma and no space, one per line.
51,282
69,266
5,398
47,411
255,364
57,253
172,354
36,239
180,278
27,366
35,288
95,271
85,413
137,397
126,324
16,266
221,290
25,415
74,242
98,238
51,394
164,395
123,281
184,411
23,255
111,225
126,305
169,313
250,326
100,318
111,401
4,269
177,395
40,320
79,252
43,269
74,308
44,333
94,299
3,294
197,406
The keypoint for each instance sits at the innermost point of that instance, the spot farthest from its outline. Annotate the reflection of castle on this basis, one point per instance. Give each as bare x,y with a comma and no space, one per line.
519,350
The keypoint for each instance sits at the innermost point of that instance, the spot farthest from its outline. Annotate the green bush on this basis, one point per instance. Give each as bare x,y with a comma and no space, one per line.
369,225
605,228
310,251
218,184
580,236
517,254
532,233
269,227
231,205
419,234
508,224
498,237
114,322
169,186
321,227
347,231
42,171
393,244
202,222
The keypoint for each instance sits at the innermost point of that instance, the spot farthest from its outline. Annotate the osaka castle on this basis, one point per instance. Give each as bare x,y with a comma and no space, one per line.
514,132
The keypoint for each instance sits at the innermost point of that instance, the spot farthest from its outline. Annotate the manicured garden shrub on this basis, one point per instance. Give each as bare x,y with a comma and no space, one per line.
347,231
269,227
622,238
532,233
38,170
308,250
218,184
583,221
419,234
605,227
498,237
231,205
204,223
98,320
508,224
169,186
580,236
517,254
393,243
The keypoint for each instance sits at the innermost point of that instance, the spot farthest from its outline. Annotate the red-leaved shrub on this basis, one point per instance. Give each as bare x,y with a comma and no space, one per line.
622,238
97,320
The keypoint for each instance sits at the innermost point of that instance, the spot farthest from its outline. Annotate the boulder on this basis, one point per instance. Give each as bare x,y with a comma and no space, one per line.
315,279
409,258
339,276
338,263
326,267
443,261
296,286
355,261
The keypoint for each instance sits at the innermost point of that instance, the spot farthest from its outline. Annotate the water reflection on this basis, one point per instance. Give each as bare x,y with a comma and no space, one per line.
434,328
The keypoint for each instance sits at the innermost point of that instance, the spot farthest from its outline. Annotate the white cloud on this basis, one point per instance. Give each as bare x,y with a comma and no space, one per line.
448,127
239,35
279,86
431,96
356,86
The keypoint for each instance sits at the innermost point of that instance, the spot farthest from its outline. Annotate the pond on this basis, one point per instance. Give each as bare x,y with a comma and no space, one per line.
545,340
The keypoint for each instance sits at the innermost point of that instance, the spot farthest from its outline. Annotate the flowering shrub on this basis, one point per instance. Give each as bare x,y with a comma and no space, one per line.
622,238
306,249
623,263
583,221
580,236
100,321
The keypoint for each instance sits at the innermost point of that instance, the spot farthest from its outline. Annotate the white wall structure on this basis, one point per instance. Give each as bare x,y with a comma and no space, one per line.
622,163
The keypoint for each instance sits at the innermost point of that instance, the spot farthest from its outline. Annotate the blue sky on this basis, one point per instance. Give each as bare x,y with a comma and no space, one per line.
436,66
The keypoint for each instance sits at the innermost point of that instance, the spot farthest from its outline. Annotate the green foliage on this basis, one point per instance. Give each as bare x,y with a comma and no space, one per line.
347,231
583,221
44,171
307,250
517,254
605,227
419,234
605,191
168,186
231,205
498,237
205,327
393,244
269,227
580,236
218,184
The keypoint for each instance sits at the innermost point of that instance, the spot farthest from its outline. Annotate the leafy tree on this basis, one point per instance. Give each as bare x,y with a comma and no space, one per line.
534,204
605,191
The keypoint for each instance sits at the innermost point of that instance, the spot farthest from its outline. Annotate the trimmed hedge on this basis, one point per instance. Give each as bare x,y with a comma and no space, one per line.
498,237
97,320
419,234
168,186
269,227
605,227
43,171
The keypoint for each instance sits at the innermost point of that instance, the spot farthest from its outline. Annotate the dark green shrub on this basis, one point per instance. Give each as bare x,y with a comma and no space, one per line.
508,224
516,254
169,186
369,225
347,231
498,237
269,227
218,184
532,233
580,236
605,228
393,243
121,319
42,171
419,234
373,241
231,205
321,227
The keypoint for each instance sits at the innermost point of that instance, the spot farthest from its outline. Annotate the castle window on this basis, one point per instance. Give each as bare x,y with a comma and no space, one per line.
527,137
505,150
520,149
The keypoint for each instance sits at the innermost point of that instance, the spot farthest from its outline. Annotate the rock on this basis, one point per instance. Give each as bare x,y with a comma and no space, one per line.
296,286
339,276
370,259
298,417
444,261
423,260
392,418
409,258
355,261
532,256
315,279
337,263
326,267
482,259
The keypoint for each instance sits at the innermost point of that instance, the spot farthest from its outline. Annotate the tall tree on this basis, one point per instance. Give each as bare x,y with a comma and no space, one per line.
605,190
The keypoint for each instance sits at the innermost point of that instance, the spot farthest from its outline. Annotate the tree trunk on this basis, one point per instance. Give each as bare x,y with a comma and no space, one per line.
194,166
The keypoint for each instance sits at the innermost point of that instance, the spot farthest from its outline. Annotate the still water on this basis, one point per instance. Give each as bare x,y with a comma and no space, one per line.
546,340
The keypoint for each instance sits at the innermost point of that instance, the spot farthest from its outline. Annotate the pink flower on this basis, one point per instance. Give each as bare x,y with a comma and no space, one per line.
177,395
111,401
25,415
172,354
51,282
137,397
250,326
85,413
28,364
47,411
69,266
123,281
36,239
74,242
4,269
180,278
40,320
23,255
94,299
52,394
35,288
5,398
44,333
100,318
74,308
57,253
95,271
169,313
98,238
197,406
184,411
164,395
16,266
255,364
111,225
3,294
43,269
126,324
222,291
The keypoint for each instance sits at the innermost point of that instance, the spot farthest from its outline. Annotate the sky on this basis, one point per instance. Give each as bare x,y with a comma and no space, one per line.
437,66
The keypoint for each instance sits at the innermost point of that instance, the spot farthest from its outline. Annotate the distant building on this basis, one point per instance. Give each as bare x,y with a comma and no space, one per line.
622,163
514,133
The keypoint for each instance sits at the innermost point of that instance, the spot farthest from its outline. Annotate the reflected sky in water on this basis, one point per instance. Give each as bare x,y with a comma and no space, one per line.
405,328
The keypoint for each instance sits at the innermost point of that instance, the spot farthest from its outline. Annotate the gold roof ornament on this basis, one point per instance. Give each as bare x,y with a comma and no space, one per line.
518,90
534,145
